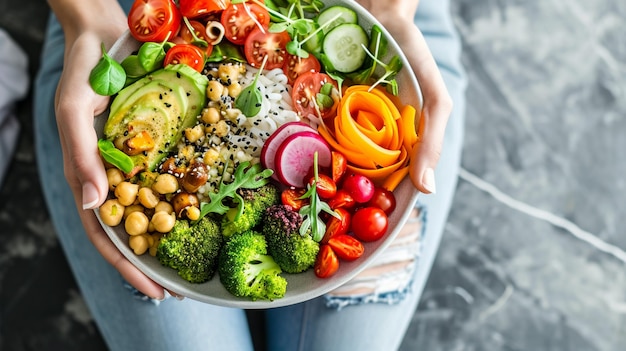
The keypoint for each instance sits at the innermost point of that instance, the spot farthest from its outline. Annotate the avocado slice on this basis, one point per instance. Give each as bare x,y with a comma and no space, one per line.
163,104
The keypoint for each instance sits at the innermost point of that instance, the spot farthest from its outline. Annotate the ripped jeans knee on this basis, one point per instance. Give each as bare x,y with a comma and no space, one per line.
388,279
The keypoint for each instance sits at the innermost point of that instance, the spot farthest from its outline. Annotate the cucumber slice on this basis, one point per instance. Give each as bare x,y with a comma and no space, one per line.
336,15
343,47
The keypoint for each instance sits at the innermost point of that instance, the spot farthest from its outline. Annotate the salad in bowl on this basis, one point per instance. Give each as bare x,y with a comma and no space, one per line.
257,152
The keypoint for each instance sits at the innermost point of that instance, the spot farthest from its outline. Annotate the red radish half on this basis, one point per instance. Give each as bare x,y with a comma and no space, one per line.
271,145
294,158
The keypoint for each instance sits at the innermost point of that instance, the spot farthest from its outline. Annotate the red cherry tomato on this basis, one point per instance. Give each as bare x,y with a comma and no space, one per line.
338,164
359,187
325,186
153,20
198,8
188,54
369,223
261,43
304,95
238,23
341,200
337,226
291,197
295,66
199,30
383,199
326,263
346,247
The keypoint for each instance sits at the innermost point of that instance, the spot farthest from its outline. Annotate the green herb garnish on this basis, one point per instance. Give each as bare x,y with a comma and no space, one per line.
115,156
250,98
108,76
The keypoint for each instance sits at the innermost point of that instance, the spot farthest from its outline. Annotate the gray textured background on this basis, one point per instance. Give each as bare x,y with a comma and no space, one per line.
533,255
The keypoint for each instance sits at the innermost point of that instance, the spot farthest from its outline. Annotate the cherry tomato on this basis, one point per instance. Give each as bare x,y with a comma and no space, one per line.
295,66
199,30
359,187
336,226
188,54
304,94
383,199
153,20
198,8
325,186
238,23
346,247
369,223
341,200
291,197
261,43
338,164
326,263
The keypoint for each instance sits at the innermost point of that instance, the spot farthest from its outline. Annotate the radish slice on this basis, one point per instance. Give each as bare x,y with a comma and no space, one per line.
271,145
294,158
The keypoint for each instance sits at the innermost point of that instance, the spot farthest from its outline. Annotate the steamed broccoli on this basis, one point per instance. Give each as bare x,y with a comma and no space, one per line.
255,201
192,250
246,270
293,252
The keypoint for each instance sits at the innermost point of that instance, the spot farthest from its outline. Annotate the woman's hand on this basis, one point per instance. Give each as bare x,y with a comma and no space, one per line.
397,17
76,104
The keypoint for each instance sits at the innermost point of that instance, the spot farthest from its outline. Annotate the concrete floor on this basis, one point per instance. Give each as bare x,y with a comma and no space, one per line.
533,255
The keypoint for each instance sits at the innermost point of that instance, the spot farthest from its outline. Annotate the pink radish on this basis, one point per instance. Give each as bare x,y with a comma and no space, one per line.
271,145
294,158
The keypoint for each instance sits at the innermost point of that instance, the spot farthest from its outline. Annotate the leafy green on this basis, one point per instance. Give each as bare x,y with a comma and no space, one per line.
245,176
151,55
250,98
311,212
114,156
108,76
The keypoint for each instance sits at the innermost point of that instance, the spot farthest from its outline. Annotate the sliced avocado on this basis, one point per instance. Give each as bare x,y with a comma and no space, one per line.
163,103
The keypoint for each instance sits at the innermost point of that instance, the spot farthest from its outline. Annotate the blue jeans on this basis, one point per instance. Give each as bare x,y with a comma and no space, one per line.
128,323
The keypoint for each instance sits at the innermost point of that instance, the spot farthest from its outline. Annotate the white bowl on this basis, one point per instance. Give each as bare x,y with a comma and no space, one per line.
300,287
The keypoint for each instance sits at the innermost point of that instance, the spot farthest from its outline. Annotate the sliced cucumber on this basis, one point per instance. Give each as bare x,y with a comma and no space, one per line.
314,44
336,15
343,47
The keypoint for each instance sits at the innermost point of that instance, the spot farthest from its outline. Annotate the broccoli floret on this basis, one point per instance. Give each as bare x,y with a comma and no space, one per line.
255,201
246,270
192,250
293,252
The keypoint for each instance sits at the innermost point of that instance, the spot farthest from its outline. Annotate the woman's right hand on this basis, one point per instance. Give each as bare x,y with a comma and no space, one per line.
76,104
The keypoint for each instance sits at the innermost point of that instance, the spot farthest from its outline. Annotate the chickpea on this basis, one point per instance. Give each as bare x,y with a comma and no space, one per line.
111,212
211,156
193,213
147,197
114,176
136,223
210,115
163,222
186,153
214,90
194,134
234,89
132,208
165,184
221,128
139,244
155,245
232,114
126,192
164,206
228,74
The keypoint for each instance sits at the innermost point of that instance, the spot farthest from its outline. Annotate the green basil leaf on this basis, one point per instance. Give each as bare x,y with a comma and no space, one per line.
133,67
108,76
114,156
151,56
249,101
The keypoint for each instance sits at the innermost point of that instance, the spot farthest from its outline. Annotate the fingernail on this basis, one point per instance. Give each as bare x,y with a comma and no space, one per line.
90,196
428,180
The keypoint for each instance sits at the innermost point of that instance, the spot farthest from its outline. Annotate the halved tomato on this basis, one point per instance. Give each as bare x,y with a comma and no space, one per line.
198,8
188,54
292,197
240,19
153,20
326,263
346,247
296,66
199,30
304,95
261,43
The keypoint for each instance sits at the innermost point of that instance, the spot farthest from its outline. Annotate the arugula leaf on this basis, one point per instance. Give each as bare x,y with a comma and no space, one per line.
245,176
